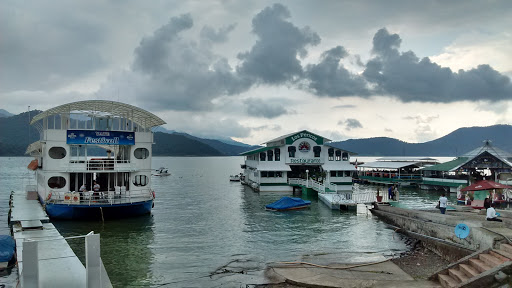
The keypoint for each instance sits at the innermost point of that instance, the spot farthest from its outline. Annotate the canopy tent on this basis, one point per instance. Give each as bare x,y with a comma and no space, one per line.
389,165
485,185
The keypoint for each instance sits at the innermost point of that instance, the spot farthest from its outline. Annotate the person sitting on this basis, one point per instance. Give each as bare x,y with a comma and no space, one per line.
487,203
491,213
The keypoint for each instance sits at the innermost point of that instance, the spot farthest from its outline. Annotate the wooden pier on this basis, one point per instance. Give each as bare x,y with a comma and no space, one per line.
44,257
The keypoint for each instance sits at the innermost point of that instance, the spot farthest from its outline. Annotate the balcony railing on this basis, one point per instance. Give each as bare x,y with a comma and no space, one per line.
100,164
90,198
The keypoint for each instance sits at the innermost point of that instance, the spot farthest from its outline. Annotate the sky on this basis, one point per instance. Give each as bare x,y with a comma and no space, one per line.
256,70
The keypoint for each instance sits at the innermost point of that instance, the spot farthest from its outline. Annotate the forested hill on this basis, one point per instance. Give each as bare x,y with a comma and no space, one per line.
456,143
14,133
14,139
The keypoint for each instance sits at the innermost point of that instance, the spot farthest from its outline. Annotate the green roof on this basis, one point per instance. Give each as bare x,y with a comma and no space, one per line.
448,166
255,151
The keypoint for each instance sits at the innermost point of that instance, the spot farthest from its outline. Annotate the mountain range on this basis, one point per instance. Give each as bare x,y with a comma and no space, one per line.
16,135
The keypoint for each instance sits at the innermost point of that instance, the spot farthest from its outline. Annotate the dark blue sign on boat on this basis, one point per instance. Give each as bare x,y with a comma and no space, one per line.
100,137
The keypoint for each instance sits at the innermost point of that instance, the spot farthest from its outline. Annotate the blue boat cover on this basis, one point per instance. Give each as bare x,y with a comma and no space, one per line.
6,248
288,203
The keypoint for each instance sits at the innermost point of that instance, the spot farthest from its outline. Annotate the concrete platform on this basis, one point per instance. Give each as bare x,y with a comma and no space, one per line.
380,274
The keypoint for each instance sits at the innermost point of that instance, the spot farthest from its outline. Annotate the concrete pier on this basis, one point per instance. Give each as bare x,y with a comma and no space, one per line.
44,257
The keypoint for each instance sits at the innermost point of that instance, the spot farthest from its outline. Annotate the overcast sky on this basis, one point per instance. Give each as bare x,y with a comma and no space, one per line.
256,70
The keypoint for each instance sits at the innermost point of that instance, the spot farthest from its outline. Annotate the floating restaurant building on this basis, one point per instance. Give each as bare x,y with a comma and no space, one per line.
469,168
302,155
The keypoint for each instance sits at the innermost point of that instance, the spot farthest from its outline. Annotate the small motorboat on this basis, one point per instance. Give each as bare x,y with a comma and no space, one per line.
288,203
234,178
162,171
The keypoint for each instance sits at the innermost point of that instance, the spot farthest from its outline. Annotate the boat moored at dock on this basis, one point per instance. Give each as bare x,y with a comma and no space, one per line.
93,160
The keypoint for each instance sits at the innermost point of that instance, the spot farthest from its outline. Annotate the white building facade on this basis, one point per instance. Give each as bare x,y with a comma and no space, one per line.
298,155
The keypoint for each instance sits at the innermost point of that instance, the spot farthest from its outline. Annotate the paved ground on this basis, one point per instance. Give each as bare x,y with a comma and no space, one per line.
333,274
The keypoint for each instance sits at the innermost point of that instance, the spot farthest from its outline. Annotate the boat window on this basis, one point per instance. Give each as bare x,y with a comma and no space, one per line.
279,174
270,155
277,153
347,174
57,152
291,151
271,174
344,156
140,180
263,173
333,173
340,173
141,153
262,156
330,151
338,155
317,150
56,182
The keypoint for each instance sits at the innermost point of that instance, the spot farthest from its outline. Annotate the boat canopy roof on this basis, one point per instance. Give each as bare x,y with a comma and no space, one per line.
256,151
111,108
338,166
273,166
389,165
448,166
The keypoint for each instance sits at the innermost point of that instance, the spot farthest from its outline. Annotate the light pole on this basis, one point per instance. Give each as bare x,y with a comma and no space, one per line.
307,178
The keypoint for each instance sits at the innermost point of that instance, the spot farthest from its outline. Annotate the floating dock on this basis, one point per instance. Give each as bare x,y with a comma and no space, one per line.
58,265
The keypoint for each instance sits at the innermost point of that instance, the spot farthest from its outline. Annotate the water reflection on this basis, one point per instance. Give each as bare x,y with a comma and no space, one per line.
125,247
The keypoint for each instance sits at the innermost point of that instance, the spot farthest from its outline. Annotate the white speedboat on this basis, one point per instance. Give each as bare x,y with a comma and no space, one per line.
161,172
234,178
93,160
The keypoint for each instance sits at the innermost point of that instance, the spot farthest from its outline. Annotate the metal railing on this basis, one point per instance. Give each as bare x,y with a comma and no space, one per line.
99,164
96,275
315,185
91,198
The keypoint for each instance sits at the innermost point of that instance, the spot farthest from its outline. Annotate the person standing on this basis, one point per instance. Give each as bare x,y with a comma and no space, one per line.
491,213
96,189
443,201
390,193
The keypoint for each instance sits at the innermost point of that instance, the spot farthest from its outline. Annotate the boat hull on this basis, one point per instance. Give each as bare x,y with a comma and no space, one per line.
86,212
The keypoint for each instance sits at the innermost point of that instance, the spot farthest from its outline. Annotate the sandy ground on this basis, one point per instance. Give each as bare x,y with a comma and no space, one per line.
418,262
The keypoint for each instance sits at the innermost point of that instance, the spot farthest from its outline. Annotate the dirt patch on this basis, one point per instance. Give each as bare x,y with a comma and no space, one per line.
420,262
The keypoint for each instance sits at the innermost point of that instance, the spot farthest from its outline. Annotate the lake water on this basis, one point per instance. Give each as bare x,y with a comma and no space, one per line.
202,223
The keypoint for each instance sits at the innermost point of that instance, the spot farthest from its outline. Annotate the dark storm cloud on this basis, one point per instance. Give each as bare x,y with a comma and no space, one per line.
409,78
273,58
266,109
330,78
177,74
350,124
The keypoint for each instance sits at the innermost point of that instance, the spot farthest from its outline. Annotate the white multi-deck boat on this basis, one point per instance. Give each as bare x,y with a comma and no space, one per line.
93,160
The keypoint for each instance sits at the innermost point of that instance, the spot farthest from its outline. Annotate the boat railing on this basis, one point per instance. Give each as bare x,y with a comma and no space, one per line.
90,198
100,164
446,180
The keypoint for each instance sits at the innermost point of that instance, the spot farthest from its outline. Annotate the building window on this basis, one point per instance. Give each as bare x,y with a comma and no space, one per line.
344,156
277,153
338,155
57,152
317,150
333,173
291,151
56,182
262,156
141,153
140,180
330,151
270,155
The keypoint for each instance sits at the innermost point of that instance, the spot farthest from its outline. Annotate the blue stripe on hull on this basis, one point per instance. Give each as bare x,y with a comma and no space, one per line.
65,211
